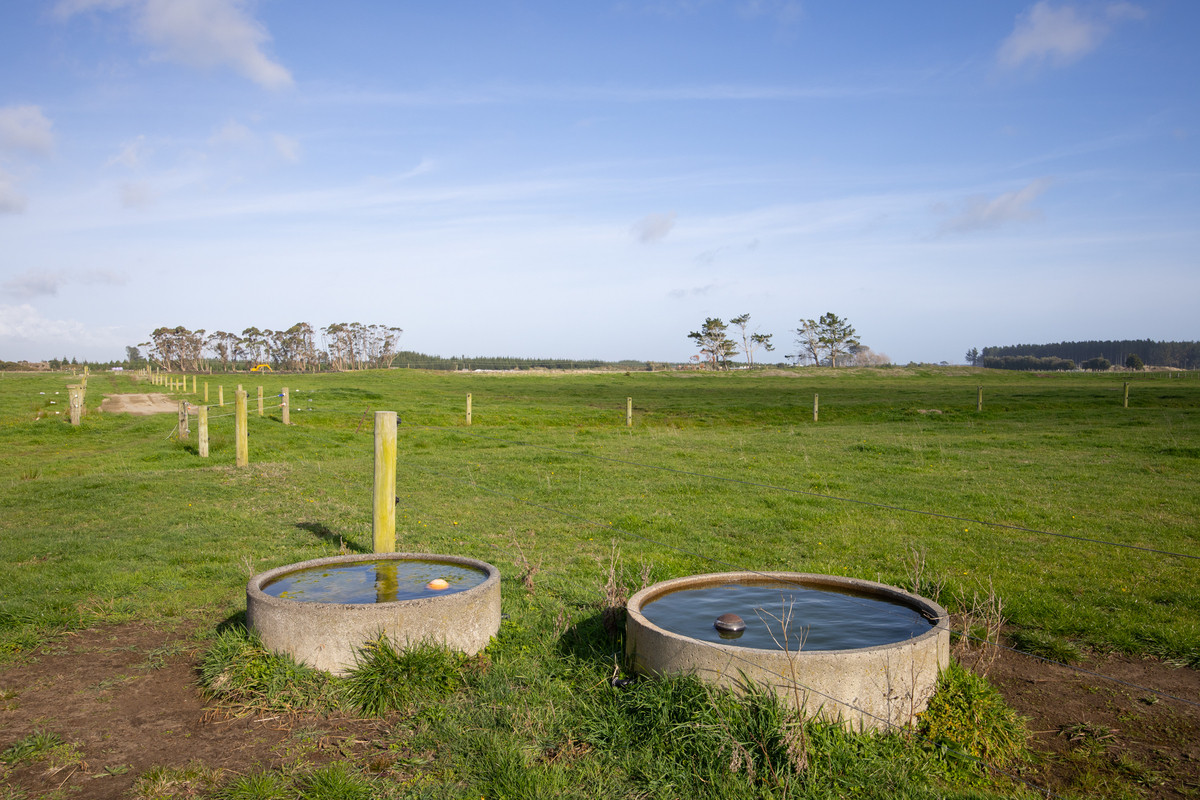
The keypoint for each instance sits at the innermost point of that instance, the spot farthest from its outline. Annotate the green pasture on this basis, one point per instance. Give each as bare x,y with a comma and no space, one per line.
1080,513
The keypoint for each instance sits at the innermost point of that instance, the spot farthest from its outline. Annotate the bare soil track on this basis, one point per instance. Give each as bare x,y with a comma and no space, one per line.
139,404
126,697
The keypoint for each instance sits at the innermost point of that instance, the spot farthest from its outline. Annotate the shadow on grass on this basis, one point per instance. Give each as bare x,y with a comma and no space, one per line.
323,532
235,621
589,640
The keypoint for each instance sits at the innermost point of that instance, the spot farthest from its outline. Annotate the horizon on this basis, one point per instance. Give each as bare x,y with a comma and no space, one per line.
593,182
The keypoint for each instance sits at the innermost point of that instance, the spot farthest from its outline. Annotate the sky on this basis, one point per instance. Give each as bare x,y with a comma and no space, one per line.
576,180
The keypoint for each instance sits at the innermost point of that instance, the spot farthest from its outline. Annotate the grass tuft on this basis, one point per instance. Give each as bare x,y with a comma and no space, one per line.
1045,645
336,782
34,747
387,679
238,669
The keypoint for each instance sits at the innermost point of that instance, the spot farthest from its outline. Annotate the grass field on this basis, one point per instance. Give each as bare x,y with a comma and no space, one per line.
1081,514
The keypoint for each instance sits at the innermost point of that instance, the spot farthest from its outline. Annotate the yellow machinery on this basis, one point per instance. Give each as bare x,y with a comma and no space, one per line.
261,368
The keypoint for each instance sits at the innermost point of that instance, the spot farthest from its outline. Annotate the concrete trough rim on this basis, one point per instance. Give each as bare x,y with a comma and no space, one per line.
874,687
254,588
934,613
330,636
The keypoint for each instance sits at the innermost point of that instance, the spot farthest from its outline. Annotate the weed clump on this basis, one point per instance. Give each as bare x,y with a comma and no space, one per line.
970,725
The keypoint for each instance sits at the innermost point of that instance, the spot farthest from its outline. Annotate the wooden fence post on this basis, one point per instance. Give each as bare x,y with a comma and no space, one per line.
221,395
979,400
260,404
286,407
183,420
468,408
206,393
383,520
193,384
202,425
1126,394
75,401
816,399
628,412
242,457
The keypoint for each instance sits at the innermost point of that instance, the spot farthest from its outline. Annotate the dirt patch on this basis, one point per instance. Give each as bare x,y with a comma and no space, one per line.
1090,731
140,404
127,699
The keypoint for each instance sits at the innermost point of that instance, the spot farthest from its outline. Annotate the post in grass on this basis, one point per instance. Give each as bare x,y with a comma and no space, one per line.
816,405
979,400
206,393
202,430
240,434
1126,394
221,396
260,402
183,420
628,412
286,407
75,401
383,518
468,408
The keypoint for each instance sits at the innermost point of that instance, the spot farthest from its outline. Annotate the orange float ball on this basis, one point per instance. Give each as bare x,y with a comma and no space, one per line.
437,584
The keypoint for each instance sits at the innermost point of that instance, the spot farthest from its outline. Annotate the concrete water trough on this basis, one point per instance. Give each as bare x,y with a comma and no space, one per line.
844,649
322,612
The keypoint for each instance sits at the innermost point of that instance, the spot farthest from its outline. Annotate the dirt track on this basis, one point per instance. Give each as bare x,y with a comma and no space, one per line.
140,404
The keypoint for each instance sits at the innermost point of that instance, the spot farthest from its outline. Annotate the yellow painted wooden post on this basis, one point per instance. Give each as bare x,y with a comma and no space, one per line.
383,520
468,408
193,384
240,434
816,399
202,425
286,407
1126,394
387,580
220,395
979,400
183,419
628,412
260,405
206,393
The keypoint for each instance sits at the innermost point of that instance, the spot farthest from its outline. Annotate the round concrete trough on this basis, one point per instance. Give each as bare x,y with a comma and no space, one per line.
328,636
866,688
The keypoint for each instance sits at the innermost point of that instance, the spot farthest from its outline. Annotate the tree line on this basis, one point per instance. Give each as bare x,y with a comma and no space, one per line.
341,346
827,341
1133,353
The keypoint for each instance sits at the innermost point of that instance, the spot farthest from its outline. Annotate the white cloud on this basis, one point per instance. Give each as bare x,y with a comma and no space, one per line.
33,284
131,154
26,128
47,283
231,133
982,212
653,227
198,33
11,199
1060,35
24,322
287,147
